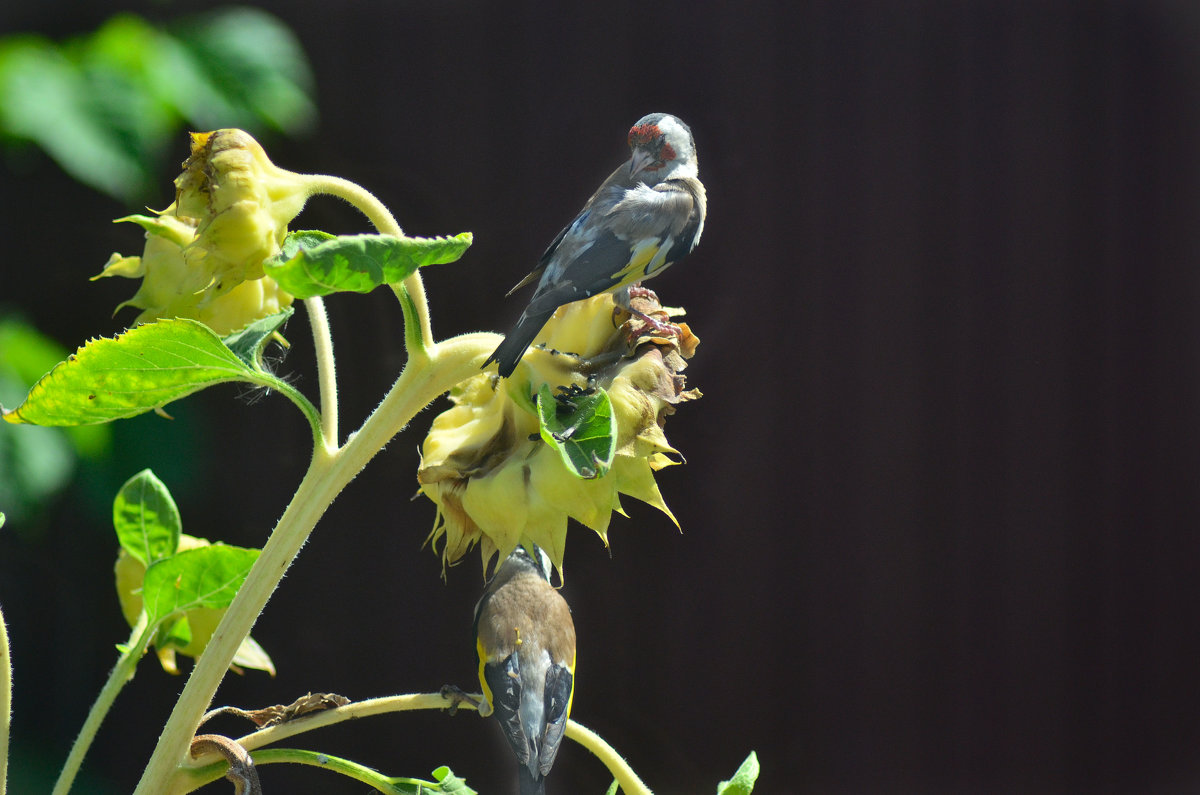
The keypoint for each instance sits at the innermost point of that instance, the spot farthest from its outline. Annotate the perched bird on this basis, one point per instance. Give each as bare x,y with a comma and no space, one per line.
646,216
526,643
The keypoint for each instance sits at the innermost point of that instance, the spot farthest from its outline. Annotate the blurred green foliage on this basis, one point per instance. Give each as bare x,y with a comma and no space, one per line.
35,462
108,106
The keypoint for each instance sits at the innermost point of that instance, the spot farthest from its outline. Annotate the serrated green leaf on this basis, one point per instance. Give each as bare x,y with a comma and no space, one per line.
205,577
248,344
25,355
582,427
743,780
315,263
146,518
145,368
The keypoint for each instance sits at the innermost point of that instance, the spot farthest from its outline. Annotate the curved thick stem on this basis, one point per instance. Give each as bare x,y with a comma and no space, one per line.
120,675
296,756
628,780
5,699
318,321
329,717
203,769
383,220
328,473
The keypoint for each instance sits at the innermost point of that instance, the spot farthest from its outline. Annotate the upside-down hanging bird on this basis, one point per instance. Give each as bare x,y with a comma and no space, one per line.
646,216
526,643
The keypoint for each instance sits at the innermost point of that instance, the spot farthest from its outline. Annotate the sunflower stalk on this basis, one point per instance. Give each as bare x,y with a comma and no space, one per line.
578,423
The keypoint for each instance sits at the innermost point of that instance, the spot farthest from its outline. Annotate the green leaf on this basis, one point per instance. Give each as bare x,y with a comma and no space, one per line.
316,263
204,577
580,424
25,355
248,344
743,780
451,783
248,68
178,634
145,368
612,788
146,518
106,105
47,98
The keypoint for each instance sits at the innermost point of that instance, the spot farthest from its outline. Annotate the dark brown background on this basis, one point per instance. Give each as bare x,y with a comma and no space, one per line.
941,501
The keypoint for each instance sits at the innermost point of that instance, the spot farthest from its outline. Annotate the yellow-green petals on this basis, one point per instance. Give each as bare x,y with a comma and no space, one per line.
204,254
488,467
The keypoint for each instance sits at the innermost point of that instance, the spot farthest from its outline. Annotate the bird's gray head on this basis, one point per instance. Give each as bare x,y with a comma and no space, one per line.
533,557
662,148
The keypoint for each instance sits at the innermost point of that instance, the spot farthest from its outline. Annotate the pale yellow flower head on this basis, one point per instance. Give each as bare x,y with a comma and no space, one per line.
204,254
493,479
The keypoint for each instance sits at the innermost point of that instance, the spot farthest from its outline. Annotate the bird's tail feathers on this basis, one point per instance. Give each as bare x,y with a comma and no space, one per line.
530,783
531,277
510,351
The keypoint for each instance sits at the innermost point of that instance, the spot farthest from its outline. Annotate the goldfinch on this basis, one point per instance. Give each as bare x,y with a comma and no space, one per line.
646,216
526,643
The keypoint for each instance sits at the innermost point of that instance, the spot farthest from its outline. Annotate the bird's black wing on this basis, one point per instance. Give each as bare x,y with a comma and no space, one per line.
505,682
593,270
622,247
536,273
614,183
559,684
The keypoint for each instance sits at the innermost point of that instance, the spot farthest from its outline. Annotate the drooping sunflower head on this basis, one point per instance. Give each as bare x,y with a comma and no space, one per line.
495,480
204,253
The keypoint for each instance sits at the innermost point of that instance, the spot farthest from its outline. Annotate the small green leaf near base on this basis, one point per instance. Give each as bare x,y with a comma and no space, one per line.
146,518
248,343
582,427
743,780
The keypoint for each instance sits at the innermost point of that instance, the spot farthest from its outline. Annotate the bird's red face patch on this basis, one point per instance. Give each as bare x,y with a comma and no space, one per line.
643,134
651,138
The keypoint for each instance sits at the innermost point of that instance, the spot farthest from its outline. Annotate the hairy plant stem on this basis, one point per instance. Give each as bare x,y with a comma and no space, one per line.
207,768
318,720
421,382
432,369
383,220
361,773
5,699
616,764
318,321
120,675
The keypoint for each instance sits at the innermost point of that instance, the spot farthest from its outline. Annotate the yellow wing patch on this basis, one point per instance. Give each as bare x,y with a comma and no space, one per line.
647,259
571,698
485,708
